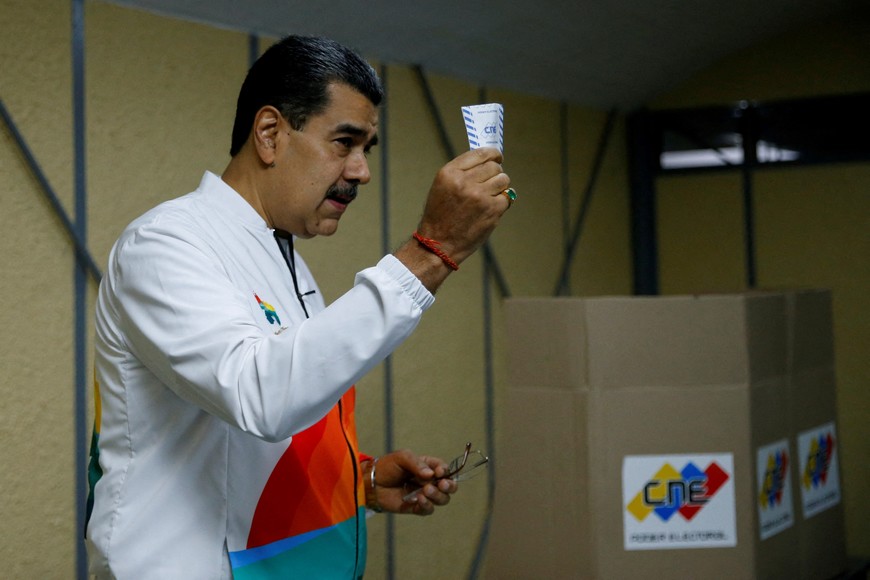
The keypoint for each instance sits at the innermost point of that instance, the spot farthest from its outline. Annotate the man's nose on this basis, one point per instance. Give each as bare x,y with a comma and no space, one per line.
356,170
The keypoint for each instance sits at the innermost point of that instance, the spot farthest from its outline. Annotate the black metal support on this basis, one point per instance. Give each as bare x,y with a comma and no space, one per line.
641,166
253,49
449,151
79,246
490,266
563,285
488,253
389,419
565,179
80,276
491,271
489,395
749,130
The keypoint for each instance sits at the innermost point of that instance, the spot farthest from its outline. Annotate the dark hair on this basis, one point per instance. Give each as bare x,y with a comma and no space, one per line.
293,76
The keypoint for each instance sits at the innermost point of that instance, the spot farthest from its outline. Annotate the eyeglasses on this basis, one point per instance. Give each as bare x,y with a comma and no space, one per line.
468,465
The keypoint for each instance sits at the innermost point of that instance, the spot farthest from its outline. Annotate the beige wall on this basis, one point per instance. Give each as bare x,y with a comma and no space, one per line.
812,223
160,96
36,411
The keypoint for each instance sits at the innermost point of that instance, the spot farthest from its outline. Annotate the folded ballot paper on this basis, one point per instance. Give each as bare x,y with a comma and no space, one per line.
484,125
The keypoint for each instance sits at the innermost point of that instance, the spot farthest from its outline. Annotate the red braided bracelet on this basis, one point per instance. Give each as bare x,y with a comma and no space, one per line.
435,248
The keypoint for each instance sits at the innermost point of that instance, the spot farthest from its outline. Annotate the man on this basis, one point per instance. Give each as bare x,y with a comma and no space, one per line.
225,443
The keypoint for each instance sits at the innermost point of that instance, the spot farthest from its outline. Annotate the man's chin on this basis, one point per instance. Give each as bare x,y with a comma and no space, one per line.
326,229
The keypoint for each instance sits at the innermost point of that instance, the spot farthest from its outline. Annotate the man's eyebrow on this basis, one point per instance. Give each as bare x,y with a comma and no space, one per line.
350,129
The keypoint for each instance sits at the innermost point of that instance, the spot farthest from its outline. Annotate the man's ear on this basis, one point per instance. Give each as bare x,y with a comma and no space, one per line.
265,132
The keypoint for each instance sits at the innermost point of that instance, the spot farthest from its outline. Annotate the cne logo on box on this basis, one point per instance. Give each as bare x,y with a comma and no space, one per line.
669,508
775,509
819,469
818,461
774,479
670,492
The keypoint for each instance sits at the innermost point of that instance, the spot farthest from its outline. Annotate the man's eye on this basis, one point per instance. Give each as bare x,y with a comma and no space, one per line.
346,142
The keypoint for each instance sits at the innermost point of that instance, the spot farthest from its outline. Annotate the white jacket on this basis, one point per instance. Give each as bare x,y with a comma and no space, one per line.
206,367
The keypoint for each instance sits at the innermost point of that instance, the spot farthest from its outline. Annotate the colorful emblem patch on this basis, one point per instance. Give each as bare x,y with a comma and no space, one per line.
268,310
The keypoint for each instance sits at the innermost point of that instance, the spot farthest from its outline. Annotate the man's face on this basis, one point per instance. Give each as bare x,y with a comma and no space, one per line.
318,168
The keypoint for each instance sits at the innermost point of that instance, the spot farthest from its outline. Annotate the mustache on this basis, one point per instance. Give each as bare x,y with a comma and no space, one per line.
347,193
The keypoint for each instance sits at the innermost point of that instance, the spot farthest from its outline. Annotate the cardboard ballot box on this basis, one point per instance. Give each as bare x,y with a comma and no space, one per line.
661,438
812,384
